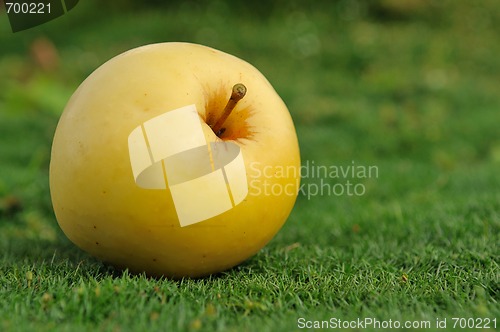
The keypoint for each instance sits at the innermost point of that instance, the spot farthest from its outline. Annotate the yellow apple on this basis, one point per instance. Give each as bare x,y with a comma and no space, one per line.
174,159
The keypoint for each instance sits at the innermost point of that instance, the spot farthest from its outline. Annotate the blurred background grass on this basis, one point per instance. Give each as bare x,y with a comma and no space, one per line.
409,86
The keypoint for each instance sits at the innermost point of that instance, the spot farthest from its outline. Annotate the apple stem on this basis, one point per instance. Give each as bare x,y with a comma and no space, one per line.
239,91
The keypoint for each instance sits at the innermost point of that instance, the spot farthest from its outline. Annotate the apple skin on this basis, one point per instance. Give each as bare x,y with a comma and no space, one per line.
103,211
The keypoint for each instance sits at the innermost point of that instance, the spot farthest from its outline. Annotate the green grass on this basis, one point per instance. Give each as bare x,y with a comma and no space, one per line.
411,91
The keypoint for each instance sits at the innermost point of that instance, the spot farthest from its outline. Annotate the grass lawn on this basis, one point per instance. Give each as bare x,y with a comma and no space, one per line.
412,90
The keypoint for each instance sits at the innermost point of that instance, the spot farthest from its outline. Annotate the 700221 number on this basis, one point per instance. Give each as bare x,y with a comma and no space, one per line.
474,323
27,8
